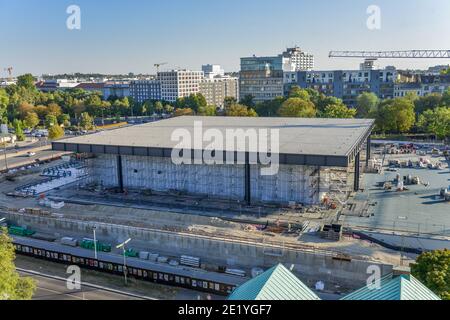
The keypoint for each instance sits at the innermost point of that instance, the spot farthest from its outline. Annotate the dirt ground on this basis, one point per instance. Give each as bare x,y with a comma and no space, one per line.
205,225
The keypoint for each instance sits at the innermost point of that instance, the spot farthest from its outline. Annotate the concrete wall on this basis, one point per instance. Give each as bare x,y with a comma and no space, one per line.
309,266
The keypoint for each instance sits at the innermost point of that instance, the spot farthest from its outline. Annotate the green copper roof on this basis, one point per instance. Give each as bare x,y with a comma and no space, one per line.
277,283
402,287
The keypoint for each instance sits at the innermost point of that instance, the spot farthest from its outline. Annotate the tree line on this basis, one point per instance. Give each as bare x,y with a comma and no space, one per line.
23,106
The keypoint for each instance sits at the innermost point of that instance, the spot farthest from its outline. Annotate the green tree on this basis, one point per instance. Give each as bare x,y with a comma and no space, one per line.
297,92
436,121
366,103
323,101
207,111
228,101
50,120
315,97
12,286
430,101
239,110
121,106
247,101
4,101
183,112
23,109
94,105
42,111
297,107
168,108
17,124
445,72
148,107
269,108
338,111
433,270
446,98
26,81
194,102
31,120
55,132
395,115
54,109
64,119
86,121
159,107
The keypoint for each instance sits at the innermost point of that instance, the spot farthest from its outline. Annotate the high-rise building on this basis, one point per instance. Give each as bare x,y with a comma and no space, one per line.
179,83
262,77
301,61
215,90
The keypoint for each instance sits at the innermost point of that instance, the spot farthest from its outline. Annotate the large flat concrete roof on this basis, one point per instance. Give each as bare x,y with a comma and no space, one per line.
303,141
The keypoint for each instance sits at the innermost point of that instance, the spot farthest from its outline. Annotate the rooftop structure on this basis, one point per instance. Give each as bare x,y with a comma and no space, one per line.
175,155
212,70
302,141
277,283
395,286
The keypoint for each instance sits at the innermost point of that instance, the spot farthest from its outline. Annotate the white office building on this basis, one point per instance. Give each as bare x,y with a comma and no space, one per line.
179,83
300,60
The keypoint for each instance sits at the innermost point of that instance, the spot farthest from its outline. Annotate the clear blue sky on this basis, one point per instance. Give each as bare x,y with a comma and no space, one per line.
119,36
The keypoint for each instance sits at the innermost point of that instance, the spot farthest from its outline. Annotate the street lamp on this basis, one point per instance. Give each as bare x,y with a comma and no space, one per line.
95,243
122,245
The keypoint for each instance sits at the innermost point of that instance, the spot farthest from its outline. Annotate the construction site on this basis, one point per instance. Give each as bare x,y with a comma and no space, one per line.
123,184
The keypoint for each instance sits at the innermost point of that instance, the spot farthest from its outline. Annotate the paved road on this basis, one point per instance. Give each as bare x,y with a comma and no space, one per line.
20,160
53,289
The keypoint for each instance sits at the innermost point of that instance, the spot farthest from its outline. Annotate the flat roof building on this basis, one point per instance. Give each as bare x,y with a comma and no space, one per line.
141,156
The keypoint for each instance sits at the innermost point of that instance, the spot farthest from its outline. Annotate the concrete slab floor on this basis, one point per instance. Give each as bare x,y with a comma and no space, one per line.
419,210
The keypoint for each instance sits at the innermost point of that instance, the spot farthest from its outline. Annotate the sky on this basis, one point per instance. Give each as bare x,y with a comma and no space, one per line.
119,36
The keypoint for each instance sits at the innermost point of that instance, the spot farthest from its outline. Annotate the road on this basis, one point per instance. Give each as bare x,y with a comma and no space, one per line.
23,159
55,289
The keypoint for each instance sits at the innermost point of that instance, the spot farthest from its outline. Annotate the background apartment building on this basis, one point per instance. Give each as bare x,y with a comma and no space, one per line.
143,90
345,84
215,90
423,85
179,83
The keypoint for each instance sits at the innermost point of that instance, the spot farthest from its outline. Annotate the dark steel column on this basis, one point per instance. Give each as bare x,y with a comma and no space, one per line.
368,151
247,179
356,178
119,173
